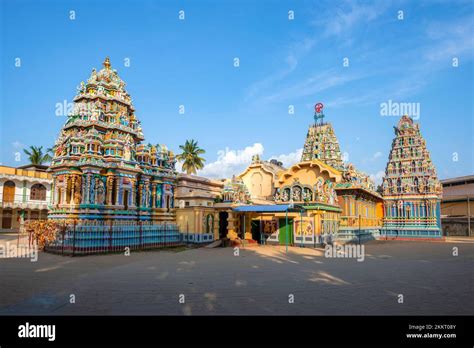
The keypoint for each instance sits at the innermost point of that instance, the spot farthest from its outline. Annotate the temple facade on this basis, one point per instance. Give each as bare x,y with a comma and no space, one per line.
101,168
411,189
196,215
318,199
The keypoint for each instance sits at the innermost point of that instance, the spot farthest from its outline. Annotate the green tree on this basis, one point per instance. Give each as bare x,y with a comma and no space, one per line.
37,156
190,157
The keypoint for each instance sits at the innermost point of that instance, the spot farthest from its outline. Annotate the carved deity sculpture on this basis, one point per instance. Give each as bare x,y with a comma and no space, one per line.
100,192
277,196
296,193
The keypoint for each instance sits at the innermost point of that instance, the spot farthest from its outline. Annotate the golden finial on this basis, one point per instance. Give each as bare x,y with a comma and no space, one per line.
107,63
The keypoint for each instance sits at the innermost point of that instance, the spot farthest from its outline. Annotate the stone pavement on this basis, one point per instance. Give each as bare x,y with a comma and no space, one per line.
261,280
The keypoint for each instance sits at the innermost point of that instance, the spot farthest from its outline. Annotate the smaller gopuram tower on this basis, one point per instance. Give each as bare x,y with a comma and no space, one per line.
321,142
411,189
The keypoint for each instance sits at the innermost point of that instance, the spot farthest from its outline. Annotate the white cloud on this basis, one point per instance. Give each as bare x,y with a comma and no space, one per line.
312,85
18,145
377,177
345,18
231,162
290,158
377,155
455,40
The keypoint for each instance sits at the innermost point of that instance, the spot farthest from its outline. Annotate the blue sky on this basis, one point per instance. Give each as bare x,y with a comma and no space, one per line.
235,112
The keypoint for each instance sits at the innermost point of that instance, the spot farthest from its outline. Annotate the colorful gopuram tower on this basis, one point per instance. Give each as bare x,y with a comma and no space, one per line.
411,190
321,142
101,169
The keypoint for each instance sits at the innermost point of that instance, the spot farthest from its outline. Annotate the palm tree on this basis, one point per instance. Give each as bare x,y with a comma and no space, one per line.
36,155
190,157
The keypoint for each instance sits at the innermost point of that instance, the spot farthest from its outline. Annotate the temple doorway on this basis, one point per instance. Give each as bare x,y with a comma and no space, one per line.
257,233
223,216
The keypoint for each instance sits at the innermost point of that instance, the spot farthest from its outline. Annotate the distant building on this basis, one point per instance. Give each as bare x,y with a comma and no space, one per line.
25,193
457,206
196,216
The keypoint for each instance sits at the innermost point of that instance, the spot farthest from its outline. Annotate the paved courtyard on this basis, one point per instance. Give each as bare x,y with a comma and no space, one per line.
261,280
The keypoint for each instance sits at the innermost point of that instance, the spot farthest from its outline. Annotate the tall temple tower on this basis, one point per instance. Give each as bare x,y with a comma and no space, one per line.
411,190
101,170
321,142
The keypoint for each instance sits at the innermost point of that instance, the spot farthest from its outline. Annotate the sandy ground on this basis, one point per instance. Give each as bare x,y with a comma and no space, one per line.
261,280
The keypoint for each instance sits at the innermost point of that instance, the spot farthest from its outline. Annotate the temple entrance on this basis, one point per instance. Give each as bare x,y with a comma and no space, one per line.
285,237
223,216
257,233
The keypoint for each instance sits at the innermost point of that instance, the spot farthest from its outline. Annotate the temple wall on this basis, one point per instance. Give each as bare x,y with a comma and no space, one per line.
198,224
259,182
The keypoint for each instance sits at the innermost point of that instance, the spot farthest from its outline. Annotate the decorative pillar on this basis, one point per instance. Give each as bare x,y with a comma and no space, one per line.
109,188
132,193
24,191
83,189
117,191
64,193
248,227
73,185
56,191
140,194
153,195
216,221
89,187
231,233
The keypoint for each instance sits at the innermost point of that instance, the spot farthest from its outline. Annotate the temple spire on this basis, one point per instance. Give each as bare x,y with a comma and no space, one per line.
321,142
107,63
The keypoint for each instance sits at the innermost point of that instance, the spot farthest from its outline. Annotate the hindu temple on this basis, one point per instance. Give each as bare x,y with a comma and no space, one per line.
411,190
101,167
105,176
317,199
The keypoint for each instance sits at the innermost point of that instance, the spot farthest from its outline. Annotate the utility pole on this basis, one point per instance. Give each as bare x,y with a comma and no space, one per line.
468,217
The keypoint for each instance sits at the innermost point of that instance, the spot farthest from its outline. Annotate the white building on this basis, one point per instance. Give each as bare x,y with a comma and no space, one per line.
25,193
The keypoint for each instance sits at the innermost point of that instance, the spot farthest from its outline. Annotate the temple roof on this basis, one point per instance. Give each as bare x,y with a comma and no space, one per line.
105,83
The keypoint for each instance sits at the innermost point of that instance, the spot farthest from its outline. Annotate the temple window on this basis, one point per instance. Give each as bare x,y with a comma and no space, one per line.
38,192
